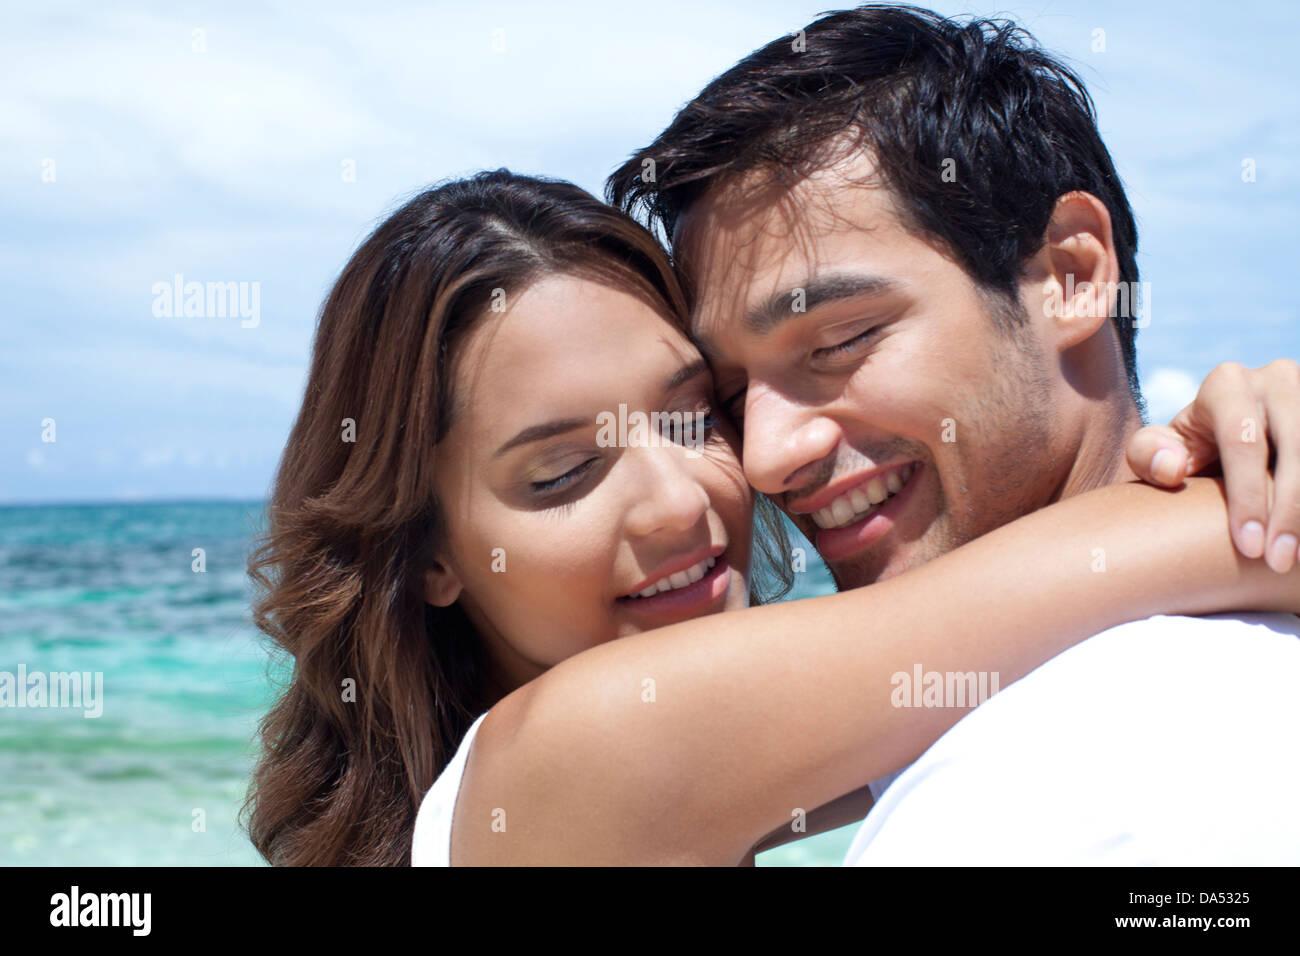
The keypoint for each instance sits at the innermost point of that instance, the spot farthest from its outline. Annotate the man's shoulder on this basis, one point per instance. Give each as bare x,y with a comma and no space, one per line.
1168,647
1243,631
1248,632
1152,673
1165,740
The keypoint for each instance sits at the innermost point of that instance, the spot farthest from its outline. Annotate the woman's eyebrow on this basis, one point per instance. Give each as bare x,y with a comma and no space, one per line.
539,432
686,373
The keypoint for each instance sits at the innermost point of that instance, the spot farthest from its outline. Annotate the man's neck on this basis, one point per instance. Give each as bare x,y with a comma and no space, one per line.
1100,459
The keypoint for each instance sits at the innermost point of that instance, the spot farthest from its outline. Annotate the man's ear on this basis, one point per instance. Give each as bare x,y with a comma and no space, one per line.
441,585
1079,267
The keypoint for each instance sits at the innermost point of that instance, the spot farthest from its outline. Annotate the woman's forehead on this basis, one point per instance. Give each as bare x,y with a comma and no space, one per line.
569,341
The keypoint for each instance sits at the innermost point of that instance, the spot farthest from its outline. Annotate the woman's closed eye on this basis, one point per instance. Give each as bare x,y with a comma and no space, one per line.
690,428
701,425
559,482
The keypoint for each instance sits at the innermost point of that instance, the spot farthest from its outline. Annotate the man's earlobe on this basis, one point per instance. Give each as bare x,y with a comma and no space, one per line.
1082,266
441,585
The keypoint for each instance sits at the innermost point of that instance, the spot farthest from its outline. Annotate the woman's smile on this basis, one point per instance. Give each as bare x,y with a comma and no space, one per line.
698,586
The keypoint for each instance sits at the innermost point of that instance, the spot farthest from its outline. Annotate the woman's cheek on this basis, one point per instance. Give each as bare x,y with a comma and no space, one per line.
730,495
564,571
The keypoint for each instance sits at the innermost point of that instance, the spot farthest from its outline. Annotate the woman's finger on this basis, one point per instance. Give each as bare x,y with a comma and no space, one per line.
1282,401
1229,408
1158,455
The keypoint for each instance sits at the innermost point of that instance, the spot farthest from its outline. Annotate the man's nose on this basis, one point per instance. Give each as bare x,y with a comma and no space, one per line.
782,438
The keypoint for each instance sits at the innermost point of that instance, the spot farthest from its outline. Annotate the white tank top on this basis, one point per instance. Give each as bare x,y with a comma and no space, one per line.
431,845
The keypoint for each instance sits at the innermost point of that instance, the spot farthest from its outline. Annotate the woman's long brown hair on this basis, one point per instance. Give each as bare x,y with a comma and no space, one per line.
384,685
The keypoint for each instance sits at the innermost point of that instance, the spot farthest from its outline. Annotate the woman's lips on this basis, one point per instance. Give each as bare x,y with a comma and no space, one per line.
682,602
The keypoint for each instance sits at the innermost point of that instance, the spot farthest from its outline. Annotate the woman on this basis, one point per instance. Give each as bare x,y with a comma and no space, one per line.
453,549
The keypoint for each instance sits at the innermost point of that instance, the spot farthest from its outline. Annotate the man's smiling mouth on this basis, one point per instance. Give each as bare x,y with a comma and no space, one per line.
864,499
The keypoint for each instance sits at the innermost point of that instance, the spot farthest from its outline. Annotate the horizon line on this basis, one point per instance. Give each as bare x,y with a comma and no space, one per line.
97,502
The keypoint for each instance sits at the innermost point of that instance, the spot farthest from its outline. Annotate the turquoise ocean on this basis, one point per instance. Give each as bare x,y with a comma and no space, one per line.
159,776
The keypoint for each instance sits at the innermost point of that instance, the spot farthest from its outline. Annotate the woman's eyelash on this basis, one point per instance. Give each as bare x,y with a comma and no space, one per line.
684,423
570,476
708,423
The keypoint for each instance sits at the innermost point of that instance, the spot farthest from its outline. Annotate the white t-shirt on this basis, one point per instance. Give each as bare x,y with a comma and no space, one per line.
431,844
1168,741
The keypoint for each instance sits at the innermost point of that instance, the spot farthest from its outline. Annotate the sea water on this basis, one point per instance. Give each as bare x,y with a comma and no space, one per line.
159,776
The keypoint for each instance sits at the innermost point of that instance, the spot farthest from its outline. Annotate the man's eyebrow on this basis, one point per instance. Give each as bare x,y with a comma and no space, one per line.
817,291
541,432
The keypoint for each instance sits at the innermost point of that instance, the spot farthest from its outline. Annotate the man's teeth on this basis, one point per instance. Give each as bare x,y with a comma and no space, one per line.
680,579
856,504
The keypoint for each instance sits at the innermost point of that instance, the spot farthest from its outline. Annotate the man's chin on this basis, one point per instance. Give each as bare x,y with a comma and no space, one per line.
886,560
867,566
870,568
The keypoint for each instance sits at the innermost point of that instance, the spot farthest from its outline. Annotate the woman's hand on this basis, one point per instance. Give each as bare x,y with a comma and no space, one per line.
1236,415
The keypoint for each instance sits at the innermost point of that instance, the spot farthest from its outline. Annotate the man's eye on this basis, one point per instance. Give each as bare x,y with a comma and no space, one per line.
847,347
562,481
735,405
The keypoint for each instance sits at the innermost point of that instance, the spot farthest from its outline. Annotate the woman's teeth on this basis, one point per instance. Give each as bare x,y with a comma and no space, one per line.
863,500
680,579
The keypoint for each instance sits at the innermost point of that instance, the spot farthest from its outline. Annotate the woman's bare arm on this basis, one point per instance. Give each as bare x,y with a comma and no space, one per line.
840,812
690,743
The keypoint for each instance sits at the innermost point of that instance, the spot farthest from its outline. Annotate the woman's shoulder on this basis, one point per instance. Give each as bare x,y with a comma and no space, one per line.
431,845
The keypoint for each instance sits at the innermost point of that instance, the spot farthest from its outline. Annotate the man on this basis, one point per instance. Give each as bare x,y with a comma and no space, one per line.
912,267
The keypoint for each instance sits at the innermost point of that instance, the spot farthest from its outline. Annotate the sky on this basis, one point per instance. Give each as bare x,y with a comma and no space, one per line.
259,144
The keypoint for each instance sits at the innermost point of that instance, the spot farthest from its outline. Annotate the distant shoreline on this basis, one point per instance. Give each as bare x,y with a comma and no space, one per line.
129,502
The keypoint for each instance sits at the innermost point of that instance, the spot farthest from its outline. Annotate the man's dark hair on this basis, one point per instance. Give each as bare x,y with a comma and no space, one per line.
915,89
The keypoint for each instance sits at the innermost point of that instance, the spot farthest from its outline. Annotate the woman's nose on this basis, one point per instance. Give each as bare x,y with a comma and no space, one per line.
670,496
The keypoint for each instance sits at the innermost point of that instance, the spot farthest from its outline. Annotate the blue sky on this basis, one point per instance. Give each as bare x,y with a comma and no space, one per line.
210,140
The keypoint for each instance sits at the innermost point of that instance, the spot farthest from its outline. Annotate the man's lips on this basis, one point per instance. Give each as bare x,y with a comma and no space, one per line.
825,497
836,544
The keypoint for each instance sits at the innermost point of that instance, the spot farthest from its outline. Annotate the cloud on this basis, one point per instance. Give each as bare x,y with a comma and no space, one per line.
1167,390
224,163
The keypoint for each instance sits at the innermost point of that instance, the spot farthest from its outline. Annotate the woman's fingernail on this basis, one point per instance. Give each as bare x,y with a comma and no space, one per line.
1252,539
1282,555
1164,466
